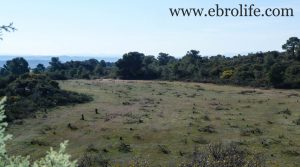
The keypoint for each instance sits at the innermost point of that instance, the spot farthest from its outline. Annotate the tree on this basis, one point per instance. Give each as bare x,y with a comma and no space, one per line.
129,67
55,64
3,72
17,66
6,28
149,60
150,68
189,65
90,64
269,60
276,75
164,58
292,76
103,63
298,53
99,70
291,46
192,57
193,53
40,68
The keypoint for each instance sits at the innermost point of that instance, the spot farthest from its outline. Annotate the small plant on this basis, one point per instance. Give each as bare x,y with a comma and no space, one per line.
251,131
200,140
208,129
92,148
206,118
291,152
267,142
220,155
126,103
182,153
164,149
72,127
93,159
138,137
125,148
39,142
244,92
56,158
139,162
297,121
286,112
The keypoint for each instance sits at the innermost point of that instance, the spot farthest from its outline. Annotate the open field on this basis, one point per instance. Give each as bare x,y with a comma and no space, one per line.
164,121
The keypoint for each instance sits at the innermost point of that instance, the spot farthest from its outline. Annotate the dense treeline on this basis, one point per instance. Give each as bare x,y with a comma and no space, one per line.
88,69
261,69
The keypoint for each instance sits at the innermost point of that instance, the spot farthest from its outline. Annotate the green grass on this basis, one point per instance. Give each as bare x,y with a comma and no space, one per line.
155,117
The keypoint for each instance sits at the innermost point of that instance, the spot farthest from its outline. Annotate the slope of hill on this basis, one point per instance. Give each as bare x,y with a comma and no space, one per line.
163,122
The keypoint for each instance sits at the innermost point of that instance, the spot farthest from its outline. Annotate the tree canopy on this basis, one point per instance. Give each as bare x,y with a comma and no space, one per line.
292,46
17,66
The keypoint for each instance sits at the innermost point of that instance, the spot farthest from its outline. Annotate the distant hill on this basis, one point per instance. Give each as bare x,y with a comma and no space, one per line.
35,60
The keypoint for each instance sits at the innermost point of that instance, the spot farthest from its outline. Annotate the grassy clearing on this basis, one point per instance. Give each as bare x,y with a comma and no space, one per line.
164,121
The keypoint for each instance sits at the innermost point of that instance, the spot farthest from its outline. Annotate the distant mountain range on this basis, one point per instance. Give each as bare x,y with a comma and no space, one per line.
33,61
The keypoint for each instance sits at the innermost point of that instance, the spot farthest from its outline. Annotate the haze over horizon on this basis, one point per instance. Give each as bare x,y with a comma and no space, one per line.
74,27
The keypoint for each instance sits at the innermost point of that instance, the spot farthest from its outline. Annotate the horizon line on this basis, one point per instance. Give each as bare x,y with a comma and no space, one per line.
120,55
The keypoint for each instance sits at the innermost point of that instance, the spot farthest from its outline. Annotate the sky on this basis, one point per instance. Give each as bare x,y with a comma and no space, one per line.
115,27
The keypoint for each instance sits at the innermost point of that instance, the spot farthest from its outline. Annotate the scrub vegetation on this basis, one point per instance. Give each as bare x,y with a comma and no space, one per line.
168,112
167,123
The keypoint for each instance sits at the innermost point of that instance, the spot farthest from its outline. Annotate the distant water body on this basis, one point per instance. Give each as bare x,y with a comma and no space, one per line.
33,61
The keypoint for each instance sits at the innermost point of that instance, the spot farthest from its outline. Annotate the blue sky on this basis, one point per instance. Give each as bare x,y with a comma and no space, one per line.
114,27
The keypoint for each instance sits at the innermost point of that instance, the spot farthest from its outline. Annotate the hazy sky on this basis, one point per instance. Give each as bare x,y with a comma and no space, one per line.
64,27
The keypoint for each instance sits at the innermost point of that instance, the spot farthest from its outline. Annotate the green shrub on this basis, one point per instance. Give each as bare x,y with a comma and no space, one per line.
221,155
125,148
32,92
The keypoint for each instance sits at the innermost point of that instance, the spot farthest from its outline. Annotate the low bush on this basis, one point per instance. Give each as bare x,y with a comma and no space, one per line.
208,129
125,148
93,159
297,121
164,149
251,131
221,155
32,92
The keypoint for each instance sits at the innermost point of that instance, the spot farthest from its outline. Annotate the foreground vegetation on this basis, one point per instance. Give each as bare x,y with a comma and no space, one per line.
217,155
165,123
52,159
